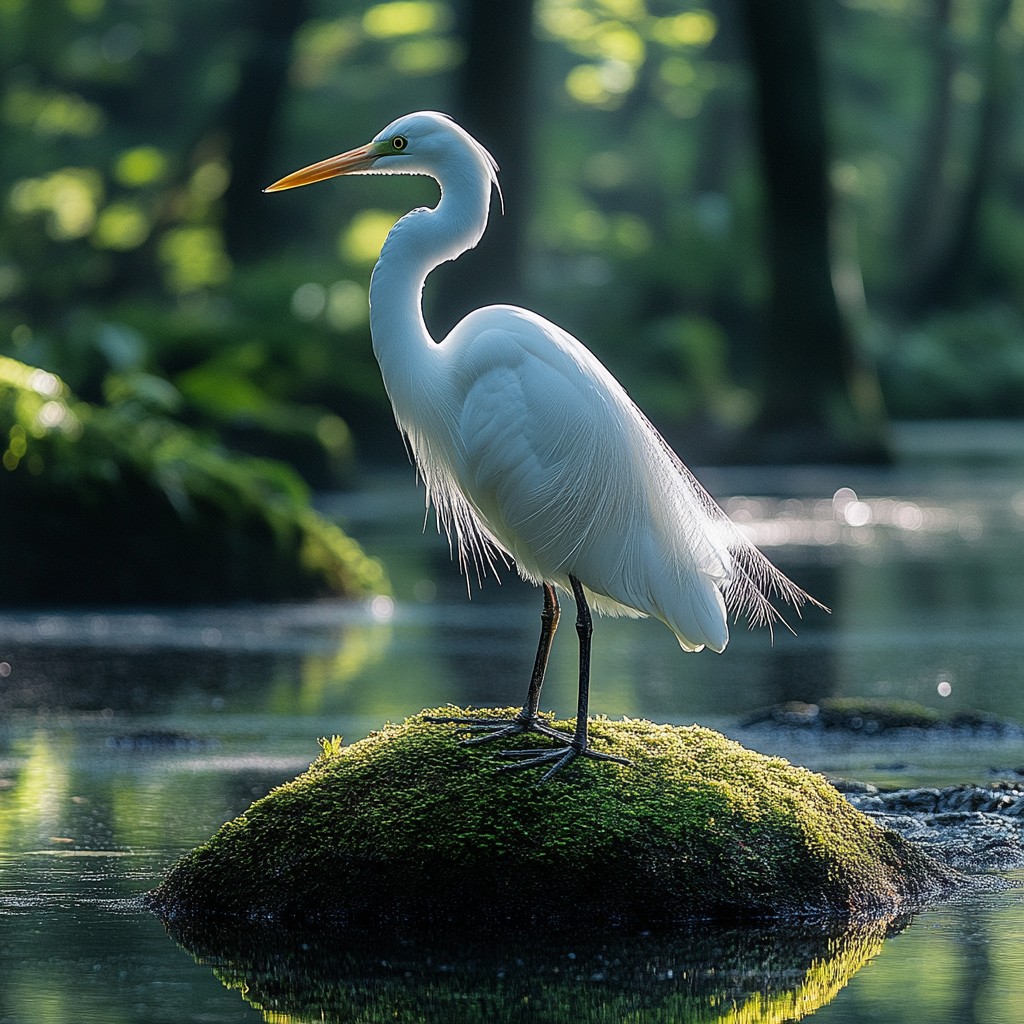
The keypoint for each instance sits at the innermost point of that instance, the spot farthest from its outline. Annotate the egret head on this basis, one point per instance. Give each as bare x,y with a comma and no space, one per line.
422,143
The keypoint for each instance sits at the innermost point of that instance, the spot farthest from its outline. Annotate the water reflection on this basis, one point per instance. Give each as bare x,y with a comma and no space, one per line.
743,975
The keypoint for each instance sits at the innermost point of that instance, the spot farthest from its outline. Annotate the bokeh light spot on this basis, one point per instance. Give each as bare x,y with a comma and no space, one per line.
362,240
122,226
143,165
404,18
309,300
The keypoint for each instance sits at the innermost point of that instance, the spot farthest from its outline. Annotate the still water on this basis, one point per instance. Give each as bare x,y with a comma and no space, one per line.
129,736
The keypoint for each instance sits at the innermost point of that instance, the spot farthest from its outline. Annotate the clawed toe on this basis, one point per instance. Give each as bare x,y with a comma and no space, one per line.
491,732
484,730
495,728
560,756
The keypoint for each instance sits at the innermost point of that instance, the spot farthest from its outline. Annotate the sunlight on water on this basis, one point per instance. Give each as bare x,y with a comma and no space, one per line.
855,522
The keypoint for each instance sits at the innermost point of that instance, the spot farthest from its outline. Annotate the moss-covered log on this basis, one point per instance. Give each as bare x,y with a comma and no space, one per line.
408,827
112,504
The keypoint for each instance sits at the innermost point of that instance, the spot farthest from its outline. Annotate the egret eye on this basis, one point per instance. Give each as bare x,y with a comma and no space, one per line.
399,142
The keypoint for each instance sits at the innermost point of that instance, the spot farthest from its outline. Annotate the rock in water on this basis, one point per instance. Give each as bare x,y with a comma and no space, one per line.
408,828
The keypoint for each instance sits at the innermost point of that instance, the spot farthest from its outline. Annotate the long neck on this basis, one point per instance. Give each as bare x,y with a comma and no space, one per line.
419,242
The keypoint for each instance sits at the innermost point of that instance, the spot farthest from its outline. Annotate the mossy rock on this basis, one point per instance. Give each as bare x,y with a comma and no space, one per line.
869,716
410,828
120,504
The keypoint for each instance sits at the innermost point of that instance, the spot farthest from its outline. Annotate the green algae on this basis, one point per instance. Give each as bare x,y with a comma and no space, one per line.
408,827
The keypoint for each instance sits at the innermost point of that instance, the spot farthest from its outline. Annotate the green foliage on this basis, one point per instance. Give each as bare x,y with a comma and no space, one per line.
266,386
374,833
117,503
956,364
117,127
646,219
331,747
694,349
131,105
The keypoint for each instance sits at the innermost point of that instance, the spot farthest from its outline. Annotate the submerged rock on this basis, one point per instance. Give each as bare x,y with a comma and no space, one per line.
868,717
408,828
158,740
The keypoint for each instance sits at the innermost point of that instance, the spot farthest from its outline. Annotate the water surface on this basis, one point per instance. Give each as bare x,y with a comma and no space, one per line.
129,736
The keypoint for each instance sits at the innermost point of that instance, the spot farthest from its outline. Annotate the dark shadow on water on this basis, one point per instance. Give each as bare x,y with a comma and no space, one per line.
706,973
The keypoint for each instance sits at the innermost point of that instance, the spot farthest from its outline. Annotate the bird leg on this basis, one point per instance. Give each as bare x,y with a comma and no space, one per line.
578,743
528,719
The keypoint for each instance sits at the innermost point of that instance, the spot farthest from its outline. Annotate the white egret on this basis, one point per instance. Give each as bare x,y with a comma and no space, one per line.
529,448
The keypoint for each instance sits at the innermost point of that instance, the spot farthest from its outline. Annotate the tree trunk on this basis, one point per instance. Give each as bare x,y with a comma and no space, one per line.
951,270
924,213
493,103
251,117
820,403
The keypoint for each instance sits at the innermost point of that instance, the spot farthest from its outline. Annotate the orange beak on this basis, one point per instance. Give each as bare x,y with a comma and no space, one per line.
352,162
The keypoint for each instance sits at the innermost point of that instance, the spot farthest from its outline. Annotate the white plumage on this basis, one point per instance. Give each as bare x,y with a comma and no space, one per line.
529,447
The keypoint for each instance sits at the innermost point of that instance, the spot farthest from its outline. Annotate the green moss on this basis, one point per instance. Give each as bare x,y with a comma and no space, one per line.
119,503
410,826
904,711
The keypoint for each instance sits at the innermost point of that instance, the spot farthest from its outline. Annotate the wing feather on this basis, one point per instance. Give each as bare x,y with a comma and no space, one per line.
538,454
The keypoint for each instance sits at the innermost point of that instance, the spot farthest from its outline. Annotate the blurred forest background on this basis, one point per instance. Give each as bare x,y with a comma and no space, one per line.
779,224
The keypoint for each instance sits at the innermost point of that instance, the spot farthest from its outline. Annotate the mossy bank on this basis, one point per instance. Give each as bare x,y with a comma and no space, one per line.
409,828
121,504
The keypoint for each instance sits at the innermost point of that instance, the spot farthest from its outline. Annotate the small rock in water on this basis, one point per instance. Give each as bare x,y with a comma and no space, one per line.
869,717
970,828
157,739
853,786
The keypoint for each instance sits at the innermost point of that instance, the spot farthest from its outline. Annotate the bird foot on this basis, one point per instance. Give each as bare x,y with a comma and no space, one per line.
561,756
495,728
